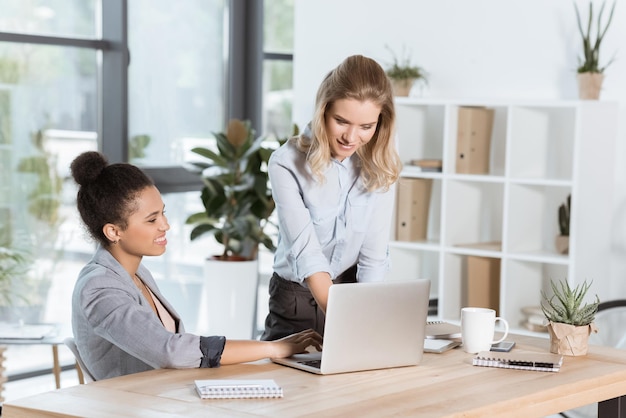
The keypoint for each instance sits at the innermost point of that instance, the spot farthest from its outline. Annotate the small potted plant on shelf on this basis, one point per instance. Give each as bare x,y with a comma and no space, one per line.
570,322
565,212
404,75
590,74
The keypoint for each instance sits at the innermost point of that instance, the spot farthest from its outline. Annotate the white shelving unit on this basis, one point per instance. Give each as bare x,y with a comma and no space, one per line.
540,153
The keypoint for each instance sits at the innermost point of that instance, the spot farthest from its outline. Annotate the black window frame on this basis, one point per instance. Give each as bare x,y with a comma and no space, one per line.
243,79
243,84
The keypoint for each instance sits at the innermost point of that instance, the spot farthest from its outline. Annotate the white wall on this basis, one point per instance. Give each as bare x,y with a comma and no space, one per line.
472,49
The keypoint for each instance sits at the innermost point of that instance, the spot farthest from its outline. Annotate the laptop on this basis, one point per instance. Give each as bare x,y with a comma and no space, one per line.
369,326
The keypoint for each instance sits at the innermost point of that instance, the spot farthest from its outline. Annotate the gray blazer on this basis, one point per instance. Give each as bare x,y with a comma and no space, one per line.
116,330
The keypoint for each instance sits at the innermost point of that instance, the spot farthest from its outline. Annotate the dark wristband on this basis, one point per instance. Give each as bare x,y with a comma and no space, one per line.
212,349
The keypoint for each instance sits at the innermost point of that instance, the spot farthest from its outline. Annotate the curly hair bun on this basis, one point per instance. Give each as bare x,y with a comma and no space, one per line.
87,167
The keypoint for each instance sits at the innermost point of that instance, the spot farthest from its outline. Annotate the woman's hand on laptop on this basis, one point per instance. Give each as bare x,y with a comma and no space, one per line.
296,343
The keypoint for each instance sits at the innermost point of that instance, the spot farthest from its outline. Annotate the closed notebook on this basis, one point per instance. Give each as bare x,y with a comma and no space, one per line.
439,346
542,362
442,330
238,389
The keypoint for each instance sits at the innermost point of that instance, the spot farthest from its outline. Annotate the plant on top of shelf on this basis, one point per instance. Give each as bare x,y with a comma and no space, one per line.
590,72
570,321
590,63
403,74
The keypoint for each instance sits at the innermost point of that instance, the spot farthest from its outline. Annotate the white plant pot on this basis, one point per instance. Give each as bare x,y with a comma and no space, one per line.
228,301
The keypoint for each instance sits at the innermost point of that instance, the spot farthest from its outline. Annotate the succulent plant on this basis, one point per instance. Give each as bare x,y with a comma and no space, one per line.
591,49
566,304
565,212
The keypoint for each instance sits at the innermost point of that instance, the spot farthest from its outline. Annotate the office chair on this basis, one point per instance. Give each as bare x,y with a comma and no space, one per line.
611,323
84,376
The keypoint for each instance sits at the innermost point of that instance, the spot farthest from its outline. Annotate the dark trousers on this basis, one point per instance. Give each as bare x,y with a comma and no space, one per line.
293,308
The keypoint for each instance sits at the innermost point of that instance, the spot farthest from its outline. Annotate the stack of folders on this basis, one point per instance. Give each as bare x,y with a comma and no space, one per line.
542,362
238,389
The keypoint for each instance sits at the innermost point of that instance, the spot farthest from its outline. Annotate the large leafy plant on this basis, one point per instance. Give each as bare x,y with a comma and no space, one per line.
566,304
236,194
590,62
13,266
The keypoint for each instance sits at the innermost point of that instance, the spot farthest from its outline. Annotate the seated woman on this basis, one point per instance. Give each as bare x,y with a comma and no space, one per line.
121,322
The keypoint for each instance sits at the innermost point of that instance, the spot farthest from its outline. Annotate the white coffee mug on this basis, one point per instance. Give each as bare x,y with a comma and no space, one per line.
478,328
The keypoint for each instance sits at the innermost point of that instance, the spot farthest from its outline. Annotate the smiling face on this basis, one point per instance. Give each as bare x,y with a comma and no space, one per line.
145,234
350,124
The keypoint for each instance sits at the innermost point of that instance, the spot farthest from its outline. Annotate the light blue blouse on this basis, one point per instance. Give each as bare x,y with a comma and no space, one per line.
328,227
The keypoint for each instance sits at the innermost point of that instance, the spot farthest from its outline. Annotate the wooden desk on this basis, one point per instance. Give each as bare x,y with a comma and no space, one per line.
444,385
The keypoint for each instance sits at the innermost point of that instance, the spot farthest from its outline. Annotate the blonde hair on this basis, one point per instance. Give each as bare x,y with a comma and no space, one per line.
362,79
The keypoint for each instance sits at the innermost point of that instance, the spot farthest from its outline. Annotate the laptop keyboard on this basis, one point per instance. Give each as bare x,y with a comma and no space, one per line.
312,363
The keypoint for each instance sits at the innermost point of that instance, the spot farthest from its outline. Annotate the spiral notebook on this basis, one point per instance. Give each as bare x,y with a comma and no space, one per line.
542,362
238,389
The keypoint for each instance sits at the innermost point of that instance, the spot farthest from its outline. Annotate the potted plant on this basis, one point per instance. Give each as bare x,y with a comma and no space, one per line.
237,204
565,212
404,75
570,322
15,262
13,266
39,177
590,73
236,194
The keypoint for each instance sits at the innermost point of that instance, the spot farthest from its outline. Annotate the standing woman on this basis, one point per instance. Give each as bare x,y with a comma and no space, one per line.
334,197
121,322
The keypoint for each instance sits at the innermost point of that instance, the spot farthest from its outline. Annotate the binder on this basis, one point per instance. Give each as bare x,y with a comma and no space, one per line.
412,208
483,282
475,125
238,389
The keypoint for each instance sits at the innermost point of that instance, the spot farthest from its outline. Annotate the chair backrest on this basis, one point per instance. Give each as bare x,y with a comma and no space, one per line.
83,371
611,323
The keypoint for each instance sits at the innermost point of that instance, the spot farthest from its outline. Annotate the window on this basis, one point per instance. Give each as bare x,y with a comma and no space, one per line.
65,88
176,78
278,67
68,18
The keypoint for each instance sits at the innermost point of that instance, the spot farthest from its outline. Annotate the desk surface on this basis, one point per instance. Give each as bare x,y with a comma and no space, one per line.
444,385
